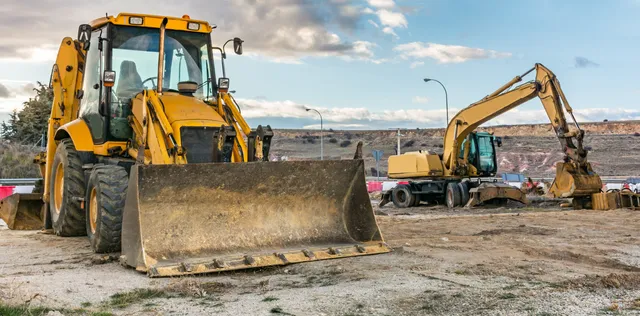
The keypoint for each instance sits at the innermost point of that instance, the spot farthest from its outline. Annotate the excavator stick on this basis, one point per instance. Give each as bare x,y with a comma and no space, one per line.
200,218
495,191
22,211
574,182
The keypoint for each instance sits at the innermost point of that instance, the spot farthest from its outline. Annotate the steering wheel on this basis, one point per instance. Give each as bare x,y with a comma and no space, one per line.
152,79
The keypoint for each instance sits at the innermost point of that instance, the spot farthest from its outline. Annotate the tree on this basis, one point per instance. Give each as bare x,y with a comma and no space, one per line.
29,124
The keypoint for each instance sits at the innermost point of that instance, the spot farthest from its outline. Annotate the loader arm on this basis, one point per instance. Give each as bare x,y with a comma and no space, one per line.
547,88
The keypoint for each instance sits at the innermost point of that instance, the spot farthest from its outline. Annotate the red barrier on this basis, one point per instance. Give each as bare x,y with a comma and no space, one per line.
374,186
6,191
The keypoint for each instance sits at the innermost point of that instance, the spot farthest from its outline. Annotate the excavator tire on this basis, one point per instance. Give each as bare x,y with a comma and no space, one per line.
402,196
453,196
464,193
417,200
106,194
67,188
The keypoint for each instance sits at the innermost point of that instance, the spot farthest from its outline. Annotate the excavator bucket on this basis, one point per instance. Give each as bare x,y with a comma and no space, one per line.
200,218
495,191
22,211
574,182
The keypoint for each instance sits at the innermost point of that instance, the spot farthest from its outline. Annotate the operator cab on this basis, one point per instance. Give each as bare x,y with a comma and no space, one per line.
482,152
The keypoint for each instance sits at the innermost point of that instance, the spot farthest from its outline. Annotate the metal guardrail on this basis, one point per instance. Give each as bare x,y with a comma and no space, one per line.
21,181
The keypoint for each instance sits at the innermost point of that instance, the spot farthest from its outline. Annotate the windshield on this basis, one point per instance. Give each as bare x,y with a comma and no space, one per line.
135,60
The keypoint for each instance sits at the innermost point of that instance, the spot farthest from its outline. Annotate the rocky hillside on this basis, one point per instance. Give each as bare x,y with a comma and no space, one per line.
530,149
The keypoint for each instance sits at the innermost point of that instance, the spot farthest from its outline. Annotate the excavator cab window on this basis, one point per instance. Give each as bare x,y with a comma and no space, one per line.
92,86
134,55
482,154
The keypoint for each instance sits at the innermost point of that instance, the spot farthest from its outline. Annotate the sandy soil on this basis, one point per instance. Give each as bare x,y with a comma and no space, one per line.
501,261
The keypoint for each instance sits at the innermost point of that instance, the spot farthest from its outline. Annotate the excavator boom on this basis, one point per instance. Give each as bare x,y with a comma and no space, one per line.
574,176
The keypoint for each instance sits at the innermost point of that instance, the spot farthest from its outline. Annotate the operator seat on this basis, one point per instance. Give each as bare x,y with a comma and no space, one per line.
129,83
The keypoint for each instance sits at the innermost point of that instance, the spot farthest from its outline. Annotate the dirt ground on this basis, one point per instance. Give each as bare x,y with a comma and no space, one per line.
539,260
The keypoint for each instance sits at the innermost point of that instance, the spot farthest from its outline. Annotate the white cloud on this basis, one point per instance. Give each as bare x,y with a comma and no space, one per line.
359,117
368,11
418,99
337,126
373,23
382,3
389,30
289,29
446,53
416,64
392,19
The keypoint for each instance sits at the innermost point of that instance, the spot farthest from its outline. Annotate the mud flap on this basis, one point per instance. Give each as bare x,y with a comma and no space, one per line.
574,182
22,211
490,191
200,218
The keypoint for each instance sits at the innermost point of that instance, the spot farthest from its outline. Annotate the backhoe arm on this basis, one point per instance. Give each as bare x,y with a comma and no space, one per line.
546,87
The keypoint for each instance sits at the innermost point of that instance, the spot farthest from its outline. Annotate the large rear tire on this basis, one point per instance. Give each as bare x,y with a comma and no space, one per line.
453,196
66,189
106,194
402,196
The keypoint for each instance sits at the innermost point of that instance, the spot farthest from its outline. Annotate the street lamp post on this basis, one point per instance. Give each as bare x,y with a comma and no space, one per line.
321,131
446,96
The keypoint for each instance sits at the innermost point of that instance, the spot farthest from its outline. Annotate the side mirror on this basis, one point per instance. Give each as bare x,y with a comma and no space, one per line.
237,45
84,35
499,141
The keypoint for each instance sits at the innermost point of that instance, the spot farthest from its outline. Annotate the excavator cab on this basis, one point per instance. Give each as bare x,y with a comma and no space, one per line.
481,152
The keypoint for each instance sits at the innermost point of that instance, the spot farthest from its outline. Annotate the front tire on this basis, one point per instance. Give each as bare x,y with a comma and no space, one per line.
402,196
106,194
66,189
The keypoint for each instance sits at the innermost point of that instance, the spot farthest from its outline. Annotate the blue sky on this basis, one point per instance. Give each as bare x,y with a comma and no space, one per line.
362,62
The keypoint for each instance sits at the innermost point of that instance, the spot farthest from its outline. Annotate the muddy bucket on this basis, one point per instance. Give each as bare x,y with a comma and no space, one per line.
22,211
198,218
486,192
574,182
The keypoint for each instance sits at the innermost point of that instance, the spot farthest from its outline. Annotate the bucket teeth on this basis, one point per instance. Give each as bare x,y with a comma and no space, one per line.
308,254
249,260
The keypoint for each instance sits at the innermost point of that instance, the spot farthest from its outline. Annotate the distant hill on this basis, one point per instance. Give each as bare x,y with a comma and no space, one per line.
531,149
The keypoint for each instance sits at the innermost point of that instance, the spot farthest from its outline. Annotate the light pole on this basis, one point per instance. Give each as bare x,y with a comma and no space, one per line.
321,131
446,96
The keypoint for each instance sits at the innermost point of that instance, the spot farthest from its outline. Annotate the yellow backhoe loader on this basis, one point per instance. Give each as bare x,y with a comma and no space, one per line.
455,178
148,154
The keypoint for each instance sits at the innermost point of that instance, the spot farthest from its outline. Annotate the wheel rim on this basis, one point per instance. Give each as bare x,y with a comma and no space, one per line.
93,210
449,198
58,189
402,197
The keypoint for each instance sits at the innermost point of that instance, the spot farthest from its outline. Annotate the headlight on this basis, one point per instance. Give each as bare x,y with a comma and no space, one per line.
135,20
223,83
193,26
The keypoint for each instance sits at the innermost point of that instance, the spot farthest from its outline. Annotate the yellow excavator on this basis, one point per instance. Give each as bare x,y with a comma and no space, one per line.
148,154
455,178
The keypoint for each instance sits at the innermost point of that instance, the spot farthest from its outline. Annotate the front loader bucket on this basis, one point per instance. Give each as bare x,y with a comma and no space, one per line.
199,218
495,191
574,182
22,211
